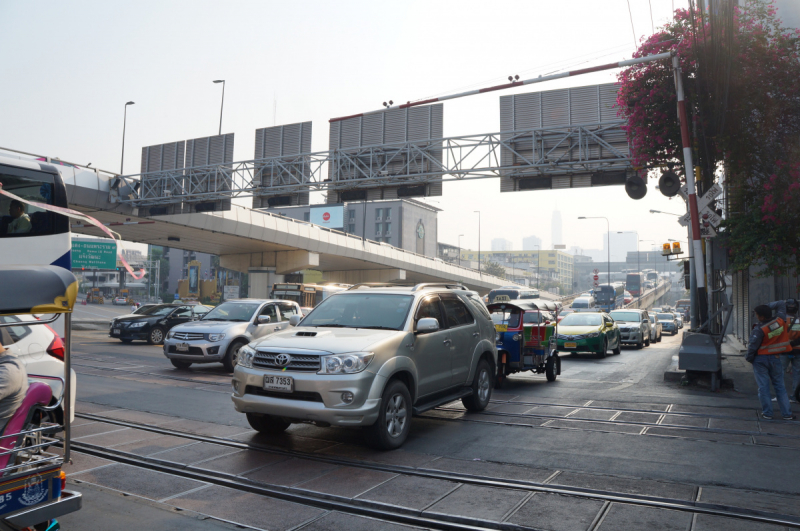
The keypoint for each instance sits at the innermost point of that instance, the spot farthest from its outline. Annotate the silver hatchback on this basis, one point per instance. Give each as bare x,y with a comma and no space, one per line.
371,357
223,331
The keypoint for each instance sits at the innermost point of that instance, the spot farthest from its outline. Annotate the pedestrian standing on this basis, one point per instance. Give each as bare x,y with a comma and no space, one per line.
133,307
792,359
768,341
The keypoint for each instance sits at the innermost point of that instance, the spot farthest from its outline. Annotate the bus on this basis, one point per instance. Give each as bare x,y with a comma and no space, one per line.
510,293
306,295
634,284
651,275
28,233
610,296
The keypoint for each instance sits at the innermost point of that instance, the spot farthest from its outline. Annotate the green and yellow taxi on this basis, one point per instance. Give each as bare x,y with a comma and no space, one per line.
593,332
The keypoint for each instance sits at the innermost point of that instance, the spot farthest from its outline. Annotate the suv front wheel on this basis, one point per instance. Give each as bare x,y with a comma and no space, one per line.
394,419
481,388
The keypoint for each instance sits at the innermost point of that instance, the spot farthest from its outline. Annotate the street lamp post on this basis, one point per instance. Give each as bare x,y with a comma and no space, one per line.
479,241
459,248
538,260
608,244
124,125
221,104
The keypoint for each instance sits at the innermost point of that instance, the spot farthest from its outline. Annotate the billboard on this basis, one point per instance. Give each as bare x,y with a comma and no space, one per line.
94,254
383,135
156,160
281,141
331,216
206,151
566,138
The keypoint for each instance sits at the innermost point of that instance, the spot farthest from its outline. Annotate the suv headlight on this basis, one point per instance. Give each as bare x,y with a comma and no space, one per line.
594,334
170,334
349,363
215,337
246,355
137,325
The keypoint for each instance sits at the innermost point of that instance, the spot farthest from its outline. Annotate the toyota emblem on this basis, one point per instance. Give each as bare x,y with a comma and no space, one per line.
282,360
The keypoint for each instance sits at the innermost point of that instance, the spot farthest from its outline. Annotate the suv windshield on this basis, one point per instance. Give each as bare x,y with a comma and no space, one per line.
666,316
361,310
233,311
582,319
626,316
158,311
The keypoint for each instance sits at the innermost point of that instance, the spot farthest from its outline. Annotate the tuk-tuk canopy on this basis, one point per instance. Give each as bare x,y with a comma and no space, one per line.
36,289
526,305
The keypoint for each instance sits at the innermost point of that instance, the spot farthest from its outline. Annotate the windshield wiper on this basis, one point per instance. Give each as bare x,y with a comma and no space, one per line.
332,325
213,319
377,327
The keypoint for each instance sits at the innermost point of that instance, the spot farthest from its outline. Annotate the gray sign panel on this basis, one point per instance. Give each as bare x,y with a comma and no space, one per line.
555,126
374,143
205,151
161,158
281,141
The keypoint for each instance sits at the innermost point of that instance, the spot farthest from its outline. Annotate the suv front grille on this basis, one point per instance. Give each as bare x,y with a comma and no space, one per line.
299,362
295,395
187,336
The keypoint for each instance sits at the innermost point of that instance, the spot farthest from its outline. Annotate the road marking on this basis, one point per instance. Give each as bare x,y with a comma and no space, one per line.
190,491
617,414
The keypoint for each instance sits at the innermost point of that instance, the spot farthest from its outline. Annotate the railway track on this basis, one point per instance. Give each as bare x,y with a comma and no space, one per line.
395,513
576,422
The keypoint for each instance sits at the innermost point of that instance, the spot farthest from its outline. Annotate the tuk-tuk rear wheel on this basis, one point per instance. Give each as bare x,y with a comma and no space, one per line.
551,369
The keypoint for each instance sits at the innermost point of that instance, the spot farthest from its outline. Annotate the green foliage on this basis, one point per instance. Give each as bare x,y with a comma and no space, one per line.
493,268
743,96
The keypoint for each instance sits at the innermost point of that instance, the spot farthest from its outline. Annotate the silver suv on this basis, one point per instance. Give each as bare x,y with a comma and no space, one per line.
371,356
223,331
634,326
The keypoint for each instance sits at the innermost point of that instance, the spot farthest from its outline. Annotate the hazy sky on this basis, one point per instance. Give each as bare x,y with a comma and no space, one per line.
67,68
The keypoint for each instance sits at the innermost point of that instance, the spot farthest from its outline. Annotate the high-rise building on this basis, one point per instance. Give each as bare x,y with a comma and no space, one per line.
501,244
555,228
531,243
621,244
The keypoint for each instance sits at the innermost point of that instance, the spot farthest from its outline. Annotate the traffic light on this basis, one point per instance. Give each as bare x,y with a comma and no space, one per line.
686,274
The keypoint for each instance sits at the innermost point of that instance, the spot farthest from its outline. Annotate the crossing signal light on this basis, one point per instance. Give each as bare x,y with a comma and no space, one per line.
676,248
666,250
636,187
669,183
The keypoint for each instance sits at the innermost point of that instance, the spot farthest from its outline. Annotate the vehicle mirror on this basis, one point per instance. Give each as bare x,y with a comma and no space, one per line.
427,325
294,320
263,319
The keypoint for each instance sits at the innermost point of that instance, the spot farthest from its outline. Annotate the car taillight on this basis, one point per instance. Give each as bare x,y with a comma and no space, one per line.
56,348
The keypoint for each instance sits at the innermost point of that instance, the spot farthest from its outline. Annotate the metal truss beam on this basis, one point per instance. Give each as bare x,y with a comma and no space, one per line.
577,149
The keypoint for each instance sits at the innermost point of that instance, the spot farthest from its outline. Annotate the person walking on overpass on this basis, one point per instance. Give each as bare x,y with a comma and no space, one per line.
768,341
792,359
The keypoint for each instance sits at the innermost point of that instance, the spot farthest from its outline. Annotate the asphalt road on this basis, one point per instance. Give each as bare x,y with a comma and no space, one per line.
579,425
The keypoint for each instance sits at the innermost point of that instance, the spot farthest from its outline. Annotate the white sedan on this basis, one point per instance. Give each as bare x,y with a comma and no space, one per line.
40,349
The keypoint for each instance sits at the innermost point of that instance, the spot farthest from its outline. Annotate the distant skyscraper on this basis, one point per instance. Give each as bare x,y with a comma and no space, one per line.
555,227
531,243
501,244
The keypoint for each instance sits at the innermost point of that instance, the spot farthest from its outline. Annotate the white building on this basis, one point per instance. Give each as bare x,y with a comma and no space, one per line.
555,228
531,243
501,244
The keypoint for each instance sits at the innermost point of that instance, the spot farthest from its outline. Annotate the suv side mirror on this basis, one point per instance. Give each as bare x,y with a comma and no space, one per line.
294,320
427,325
263,319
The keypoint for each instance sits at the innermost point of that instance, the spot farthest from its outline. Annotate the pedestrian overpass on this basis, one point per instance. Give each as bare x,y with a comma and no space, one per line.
262,244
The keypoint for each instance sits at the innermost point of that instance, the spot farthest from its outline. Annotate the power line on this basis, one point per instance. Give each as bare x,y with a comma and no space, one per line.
631,17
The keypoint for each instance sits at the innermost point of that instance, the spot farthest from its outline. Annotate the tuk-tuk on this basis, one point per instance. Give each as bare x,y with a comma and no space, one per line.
526,338
32,484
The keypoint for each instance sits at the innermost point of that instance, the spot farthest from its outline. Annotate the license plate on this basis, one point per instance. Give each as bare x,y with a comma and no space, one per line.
115,331
278,383
182,347
501,328
570,345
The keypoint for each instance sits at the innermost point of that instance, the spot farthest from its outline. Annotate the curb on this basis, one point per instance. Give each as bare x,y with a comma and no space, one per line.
673,373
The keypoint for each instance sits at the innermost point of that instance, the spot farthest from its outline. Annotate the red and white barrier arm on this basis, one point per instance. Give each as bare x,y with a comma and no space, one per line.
683,116
540,79
89,220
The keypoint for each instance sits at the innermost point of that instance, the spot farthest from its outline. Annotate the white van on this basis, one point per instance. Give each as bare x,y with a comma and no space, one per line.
583,303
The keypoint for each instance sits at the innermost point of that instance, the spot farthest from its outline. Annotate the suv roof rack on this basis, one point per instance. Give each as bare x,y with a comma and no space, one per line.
373,285
439,285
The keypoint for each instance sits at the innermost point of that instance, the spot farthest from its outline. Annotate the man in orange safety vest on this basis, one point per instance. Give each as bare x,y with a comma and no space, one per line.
770,339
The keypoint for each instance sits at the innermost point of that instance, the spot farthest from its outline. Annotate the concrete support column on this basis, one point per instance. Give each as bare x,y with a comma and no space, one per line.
281,261
365,275
261,281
